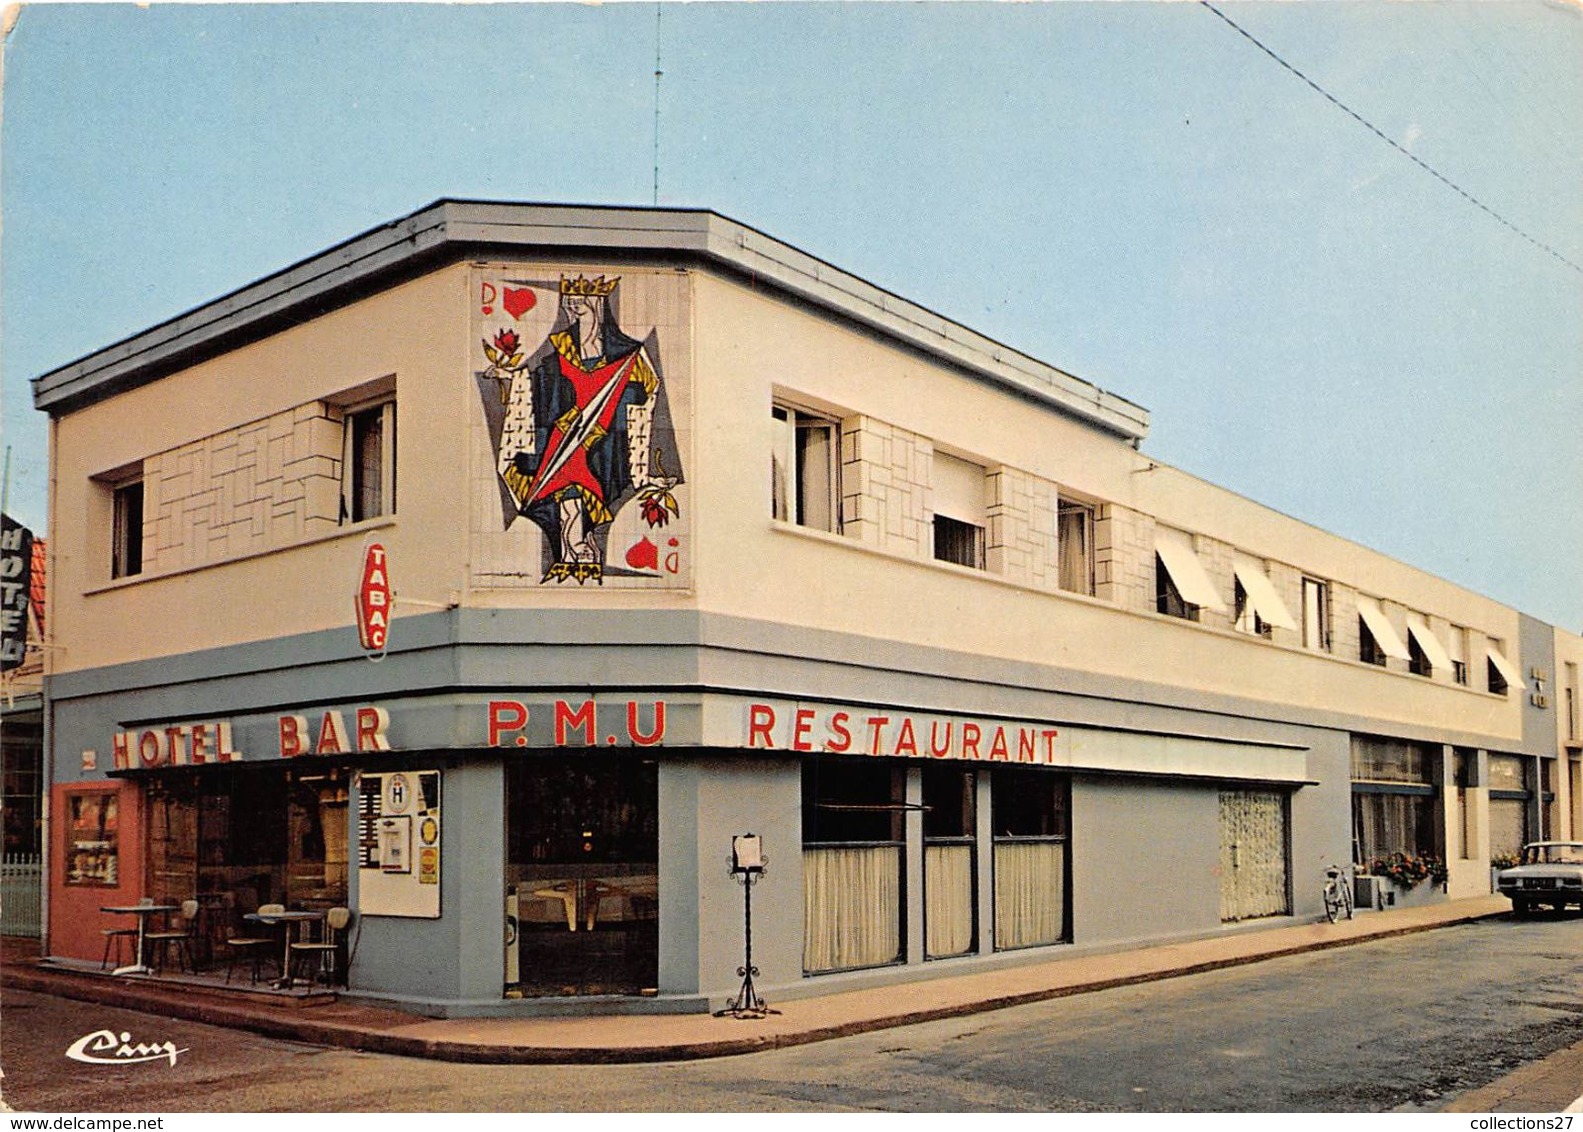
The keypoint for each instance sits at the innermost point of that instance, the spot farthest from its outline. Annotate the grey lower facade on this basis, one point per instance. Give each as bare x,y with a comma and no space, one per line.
574,780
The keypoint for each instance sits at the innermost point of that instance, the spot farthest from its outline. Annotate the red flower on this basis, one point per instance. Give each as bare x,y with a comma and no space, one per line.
654,512
506,341
658,505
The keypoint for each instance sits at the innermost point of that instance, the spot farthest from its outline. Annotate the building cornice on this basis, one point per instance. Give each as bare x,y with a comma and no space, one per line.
456,230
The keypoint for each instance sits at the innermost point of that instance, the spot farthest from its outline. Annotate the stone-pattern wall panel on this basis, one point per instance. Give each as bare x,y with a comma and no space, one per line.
265,484
1020,543
1124,557
885,475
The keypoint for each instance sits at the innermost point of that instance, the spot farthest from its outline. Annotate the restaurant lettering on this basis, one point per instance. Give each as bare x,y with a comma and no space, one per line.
897,734
578,724
181,744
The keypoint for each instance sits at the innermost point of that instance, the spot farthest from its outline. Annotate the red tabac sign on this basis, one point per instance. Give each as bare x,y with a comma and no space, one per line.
374,600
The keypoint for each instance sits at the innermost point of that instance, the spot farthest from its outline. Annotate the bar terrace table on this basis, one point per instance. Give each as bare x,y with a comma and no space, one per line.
290,919
142,912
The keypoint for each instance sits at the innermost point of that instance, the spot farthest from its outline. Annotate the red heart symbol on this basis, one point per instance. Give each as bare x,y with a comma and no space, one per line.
517,302
643,555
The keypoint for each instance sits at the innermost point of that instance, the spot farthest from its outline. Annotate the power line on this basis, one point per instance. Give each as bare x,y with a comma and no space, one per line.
1418,161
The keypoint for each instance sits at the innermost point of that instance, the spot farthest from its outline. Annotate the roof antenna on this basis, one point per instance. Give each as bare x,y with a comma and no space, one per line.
659,6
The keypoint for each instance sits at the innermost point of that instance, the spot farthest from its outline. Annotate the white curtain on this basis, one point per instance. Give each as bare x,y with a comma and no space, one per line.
1392,823
1072,547
948,899
1029,893
851,907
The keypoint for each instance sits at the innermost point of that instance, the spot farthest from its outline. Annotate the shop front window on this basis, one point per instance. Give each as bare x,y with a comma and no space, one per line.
852,865
1029,809
1393,799
949,861
1510,798
22,782
234,838
582,872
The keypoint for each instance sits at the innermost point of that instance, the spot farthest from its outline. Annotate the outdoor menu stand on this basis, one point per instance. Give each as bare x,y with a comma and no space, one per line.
748,863
142,911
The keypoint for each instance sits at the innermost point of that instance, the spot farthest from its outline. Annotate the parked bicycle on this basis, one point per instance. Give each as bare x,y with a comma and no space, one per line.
1338,892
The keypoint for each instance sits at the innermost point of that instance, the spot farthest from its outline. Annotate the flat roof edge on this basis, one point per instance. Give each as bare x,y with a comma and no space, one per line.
454,229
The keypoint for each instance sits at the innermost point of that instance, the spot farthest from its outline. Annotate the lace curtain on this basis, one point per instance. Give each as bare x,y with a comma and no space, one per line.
1508,826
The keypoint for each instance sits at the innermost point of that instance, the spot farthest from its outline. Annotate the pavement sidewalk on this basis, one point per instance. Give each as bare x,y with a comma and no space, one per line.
628,1038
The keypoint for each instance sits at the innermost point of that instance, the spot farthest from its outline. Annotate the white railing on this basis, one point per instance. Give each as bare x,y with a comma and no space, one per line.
21,894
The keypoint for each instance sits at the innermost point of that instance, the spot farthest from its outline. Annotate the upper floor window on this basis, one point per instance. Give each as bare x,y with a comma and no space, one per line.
1570,692
1426,653
1074,544
1369,650
1316,615
804,470
959,511
1457,653
1167,598
1259,608
1247,615
1502,672
1377,638
1181,585
1418,661
368,468
126,550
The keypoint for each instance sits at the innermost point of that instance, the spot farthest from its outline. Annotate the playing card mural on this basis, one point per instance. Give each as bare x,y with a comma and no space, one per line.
580,424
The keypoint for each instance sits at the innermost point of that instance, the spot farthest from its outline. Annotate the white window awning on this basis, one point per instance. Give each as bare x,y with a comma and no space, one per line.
1506,667
1384,635
1175,549
1261,592
1433,649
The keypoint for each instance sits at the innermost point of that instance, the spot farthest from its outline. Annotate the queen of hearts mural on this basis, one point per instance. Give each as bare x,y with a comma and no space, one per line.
577,441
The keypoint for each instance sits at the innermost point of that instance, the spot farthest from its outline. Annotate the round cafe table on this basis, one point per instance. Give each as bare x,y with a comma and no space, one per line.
290,919
142,912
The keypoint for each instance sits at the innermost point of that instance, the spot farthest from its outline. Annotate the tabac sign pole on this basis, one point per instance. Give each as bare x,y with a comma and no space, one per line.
374,599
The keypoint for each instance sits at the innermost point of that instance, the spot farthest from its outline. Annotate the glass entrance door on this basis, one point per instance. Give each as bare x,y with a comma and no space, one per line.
582,845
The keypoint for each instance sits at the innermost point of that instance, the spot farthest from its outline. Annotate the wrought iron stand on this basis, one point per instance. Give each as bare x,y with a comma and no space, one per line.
747,1003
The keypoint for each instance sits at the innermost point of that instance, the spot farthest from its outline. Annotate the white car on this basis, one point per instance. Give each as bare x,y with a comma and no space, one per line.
1551,873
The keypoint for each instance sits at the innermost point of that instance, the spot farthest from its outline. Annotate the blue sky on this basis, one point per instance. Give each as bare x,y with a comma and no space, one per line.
1133,192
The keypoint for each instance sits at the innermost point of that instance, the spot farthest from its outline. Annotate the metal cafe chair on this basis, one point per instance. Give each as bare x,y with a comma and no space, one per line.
115,937
336,921
256,948
162,942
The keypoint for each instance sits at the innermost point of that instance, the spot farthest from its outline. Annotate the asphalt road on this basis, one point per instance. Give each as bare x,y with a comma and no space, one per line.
1404,1024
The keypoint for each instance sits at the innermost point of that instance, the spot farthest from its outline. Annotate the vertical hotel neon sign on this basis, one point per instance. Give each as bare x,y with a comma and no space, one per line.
374,599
